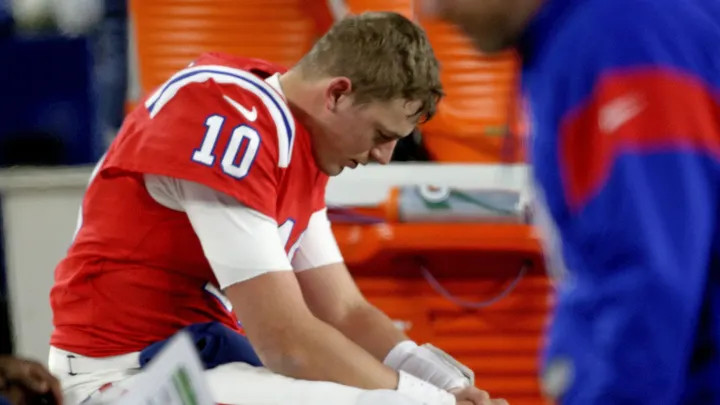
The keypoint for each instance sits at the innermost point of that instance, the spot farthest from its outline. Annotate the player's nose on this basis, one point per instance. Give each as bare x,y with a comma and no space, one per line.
383,153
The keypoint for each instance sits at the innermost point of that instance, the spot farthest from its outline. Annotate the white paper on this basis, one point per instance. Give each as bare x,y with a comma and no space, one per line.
174,377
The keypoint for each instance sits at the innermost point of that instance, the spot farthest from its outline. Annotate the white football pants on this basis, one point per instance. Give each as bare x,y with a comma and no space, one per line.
230,384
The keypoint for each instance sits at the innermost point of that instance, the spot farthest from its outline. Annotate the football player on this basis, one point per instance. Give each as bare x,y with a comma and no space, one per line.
625,147
210,207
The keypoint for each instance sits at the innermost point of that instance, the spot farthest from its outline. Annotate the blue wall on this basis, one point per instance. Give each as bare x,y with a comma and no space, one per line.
48,94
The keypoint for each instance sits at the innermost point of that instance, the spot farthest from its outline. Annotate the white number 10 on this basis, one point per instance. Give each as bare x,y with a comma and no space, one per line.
236,161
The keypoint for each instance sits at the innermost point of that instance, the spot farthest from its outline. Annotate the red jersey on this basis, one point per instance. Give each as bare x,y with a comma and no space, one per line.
135,273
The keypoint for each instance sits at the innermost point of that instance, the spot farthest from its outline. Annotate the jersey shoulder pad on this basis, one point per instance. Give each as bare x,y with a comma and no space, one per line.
221,127
236,92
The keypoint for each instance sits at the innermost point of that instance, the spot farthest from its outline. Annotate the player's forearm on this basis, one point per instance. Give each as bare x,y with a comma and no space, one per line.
374,331
314,350
371,329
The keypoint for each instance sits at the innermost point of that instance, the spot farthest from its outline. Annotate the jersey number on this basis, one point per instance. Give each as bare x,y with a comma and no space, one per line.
240,152
285,232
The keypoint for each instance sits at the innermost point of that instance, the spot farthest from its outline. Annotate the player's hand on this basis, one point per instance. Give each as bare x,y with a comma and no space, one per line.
475,396
25,382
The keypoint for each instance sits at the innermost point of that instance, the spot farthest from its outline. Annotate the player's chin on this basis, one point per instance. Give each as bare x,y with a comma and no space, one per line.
332,169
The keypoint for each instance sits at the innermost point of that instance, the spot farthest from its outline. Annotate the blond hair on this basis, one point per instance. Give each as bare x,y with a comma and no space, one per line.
385,55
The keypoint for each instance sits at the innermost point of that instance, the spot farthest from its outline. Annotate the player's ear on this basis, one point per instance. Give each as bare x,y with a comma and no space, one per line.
337,91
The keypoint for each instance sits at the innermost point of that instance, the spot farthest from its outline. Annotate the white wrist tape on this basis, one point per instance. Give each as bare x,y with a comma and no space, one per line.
430,364
422,391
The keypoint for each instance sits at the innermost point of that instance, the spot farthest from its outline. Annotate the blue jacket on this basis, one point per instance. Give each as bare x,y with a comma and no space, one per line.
625,146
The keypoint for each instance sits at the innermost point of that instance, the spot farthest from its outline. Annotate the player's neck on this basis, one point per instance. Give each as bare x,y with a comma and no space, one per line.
298,94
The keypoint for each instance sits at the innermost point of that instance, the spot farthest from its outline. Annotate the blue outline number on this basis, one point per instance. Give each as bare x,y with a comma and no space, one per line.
244,140
285,231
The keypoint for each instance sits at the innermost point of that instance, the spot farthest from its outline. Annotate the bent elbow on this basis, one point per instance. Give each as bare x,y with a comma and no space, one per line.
284,357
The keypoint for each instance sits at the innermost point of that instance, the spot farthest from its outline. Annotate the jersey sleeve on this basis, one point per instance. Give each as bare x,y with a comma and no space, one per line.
318,246
638,161
224,128
238,242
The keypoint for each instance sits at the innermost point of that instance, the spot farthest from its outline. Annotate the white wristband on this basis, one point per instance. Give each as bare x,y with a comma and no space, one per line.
422,391
429,364
399,354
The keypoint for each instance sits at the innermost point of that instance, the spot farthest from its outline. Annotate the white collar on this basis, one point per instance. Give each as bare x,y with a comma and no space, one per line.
274,82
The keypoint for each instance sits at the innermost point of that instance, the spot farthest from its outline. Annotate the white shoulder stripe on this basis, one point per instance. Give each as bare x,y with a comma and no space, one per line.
279,111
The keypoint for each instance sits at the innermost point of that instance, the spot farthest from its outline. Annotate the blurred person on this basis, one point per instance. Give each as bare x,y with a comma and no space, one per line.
6,19
69,17
209,209
324,13
25,382
110,52
79,17
624,100
105,23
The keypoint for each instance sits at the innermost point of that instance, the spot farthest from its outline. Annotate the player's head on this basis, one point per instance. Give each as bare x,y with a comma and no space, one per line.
494,25
368,82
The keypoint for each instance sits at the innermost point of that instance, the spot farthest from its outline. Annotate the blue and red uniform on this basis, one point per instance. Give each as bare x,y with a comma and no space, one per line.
625,144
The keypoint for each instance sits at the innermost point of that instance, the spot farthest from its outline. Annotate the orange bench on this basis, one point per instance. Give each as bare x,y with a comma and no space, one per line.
170,34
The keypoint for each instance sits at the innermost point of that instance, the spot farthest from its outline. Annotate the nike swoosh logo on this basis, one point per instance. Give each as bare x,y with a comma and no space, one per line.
250,115
619,111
